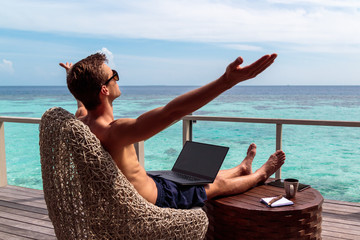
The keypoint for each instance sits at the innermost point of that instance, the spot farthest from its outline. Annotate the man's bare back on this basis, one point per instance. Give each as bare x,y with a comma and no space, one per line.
118,136
124,156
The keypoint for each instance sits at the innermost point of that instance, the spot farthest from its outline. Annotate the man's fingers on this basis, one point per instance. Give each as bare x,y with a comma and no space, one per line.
265,64
67,66
263,60
235,73
236,63
261,64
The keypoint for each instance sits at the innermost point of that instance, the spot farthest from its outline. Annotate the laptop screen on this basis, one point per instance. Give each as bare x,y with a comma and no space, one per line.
200,159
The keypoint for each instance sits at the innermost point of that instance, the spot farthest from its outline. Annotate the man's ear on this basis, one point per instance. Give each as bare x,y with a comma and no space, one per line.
104,90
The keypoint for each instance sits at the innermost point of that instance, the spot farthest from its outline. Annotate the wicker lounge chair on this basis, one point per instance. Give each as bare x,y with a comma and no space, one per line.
88,197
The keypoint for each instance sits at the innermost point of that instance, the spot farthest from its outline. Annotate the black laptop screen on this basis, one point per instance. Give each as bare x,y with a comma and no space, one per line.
200,159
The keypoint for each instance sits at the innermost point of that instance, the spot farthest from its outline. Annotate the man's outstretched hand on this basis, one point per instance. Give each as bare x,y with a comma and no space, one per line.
67,66
235,73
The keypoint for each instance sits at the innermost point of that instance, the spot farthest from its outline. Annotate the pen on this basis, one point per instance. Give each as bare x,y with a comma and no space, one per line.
275,199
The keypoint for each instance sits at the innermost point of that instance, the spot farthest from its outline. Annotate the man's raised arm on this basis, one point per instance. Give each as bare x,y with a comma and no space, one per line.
81,110
154,121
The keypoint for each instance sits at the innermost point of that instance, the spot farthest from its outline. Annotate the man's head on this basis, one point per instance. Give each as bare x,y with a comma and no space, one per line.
86,78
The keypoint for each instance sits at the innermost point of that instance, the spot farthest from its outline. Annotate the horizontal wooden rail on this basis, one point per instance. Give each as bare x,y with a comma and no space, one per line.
274,121
20,120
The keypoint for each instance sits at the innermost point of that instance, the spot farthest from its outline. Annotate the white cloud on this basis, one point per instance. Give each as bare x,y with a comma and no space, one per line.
243,47
109,56
332,24
323,3
6,66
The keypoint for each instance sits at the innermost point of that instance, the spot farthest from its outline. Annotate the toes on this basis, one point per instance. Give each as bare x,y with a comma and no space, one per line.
280,155
278,158
252,149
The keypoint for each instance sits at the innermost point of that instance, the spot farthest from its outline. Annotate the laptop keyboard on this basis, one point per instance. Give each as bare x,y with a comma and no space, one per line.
183,176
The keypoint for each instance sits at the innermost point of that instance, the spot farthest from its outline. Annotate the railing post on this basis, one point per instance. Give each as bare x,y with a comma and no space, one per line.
187,130
3,174
140,152
278,146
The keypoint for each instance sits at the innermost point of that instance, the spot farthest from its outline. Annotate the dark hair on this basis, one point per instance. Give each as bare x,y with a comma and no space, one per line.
85,79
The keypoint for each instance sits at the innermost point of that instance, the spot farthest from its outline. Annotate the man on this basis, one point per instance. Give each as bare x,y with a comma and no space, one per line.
94,84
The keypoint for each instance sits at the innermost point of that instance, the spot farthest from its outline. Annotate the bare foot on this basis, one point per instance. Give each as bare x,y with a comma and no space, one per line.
276,160
244,168
246,164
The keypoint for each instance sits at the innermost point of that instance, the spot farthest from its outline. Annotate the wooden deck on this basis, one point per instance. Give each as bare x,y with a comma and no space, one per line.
23,215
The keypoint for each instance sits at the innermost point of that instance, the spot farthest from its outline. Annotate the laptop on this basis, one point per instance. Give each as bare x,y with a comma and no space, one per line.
197,164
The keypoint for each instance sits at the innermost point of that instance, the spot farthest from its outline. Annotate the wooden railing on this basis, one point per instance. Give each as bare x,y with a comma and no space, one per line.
3,174
187,132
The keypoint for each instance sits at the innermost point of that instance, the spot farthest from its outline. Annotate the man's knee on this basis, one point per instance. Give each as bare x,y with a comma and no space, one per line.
220,183
220,180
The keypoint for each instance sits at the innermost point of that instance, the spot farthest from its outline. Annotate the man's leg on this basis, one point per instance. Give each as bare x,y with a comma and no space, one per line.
230,184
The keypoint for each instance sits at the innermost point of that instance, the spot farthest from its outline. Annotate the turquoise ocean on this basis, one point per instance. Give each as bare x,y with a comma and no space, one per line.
327,158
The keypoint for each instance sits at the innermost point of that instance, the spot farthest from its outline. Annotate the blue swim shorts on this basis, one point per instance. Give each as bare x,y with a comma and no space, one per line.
173,195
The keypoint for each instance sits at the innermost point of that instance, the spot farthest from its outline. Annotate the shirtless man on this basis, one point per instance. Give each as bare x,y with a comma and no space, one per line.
94,84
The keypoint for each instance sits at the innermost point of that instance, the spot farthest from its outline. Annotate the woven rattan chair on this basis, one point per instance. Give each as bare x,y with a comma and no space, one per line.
88,197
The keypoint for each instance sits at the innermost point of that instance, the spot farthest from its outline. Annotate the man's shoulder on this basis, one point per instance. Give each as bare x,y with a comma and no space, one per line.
121,122
121,126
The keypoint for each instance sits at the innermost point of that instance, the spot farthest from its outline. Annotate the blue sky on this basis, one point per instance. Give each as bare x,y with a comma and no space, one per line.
185,42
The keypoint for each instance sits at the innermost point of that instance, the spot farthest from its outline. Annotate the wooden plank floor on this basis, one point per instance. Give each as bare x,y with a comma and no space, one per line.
23,215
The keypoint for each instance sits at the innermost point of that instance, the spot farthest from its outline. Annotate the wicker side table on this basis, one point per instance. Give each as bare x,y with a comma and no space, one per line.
244,217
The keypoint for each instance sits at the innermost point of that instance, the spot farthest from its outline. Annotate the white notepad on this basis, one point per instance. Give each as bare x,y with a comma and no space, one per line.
279,203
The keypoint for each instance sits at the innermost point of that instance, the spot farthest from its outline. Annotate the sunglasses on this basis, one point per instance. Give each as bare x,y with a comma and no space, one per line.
115,76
